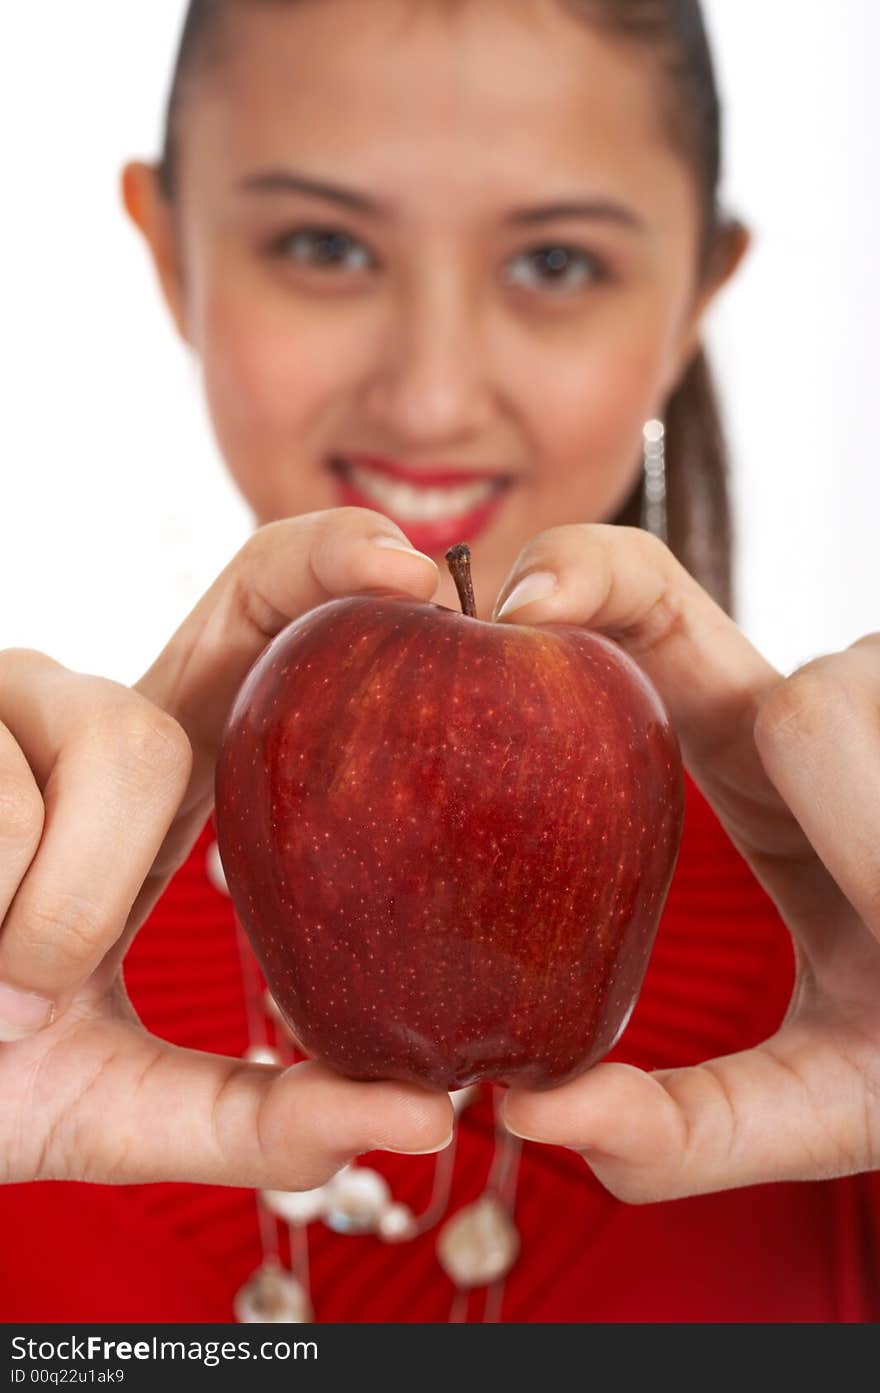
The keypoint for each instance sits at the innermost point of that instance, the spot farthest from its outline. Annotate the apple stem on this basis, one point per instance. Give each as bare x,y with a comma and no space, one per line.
459,561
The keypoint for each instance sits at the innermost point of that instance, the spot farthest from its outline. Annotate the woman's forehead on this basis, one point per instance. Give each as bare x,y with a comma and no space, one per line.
481,95
487,65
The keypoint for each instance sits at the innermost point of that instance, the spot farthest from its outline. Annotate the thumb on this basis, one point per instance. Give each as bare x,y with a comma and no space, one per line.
155,1112
793,1108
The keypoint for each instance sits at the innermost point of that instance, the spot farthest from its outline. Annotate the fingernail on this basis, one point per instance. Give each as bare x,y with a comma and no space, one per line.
22,1014
516,1131
536,586
397,544
428,1151
524,1136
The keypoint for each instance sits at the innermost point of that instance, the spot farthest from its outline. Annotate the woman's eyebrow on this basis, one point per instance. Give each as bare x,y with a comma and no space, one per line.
597,209
288,181
275,181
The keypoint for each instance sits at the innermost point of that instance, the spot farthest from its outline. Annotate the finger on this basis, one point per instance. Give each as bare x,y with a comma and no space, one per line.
111,769
21,826
794,1108
163,1113
285,569
626,584
818,735
21,816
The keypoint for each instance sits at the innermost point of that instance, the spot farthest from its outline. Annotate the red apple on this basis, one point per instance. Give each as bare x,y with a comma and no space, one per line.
449,841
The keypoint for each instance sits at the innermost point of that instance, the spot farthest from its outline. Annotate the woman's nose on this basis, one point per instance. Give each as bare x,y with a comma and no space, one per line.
429,383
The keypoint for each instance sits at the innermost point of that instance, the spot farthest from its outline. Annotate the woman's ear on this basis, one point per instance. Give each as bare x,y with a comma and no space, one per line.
731,245
153,215
732,242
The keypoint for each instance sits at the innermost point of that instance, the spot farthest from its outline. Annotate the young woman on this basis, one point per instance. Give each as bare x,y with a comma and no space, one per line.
440,261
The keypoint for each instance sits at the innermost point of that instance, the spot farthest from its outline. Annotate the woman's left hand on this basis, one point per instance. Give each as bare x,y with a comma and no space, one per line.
791,767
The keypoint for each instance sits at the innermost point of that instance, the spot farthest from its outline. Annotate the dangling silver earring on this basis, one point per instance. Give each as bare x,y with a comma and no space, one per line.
654,493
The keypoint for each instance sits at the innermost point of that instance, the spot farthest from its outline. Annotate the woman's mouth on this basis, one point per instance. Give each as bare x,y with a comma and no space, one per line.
435,508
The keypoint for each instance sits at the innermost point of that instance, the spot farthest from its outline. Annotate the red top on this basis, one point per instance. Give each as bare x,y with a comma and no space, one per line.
719,980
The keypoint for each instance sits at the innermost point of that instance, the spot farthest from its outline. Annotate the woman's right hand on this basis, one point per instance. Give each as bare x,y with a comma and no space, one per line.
103,792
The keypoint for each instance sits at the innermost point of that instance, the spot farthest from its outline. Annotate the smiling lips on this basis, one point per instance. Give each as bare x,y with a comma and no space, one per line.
434,507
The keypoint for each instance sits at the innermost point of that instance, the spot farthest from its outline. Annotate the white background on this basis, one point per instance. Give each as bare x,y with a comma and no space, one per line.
116,511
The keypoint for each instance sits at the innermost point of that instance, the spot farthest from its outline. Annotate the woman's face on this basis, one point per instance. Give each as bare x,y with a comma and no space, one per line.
435,259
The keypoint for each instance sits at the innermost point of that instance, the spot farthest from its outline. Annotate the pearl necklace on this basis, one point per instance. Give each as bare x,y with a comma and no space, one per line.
476,1248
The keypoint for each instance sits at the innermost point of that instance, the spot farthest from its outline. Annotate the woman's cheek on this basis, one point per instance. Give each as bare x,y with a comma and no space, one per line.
591,416
269,376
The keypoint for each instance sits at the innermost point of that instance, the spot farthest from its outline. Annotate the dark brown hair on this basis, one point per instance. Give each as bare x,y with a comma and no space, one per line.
699,522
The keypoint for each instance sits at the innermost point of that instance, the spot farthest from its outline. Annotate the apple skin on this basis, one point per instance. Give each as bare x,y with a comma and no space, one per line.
449,841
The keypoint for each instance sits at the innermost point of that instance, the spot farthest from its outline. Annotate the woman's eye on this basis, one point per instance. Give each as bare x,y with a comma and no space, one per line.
324,248
554,268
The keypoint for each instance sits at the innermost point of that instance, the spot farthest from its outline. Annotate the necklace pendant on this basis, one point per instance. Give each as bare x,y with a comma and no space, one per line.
263,1054
214,869
296,1207
462,1098
272,1296
479,1244
397,1224
358,1198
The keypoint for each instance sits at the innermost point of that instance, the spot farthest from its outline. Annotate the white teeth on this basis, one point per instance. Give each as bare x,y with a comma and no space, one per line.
411,504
